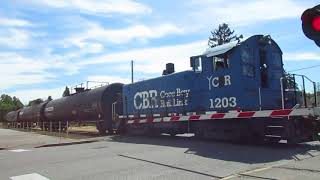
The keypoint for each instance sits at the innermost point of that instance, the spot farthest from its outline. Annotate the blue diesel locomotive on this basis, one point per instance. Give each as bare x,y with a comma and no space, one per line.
234,91
234,76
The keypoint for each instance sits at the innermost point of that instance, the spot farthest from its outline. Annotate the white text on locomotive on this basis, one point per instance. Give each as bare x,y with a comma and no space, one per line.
153,99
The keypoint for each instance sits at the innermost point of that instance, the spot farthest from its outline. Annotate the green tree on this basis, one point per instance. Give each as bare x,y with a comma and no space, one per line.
223,34
66,92
7,104
18,104
290,81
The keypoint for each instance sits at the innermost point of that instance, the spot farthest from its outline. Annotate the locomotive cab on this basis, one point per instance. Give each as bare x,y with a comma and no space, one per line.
246,75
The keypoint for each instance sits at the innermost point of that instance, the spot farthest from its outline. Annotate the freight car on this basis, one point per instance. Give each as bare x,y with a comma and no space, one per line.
236,91
31,113
84,105
11,116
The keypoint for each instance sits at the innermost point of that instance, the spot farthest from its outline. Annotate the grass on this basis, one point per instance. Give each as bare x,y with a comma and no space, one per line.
88,128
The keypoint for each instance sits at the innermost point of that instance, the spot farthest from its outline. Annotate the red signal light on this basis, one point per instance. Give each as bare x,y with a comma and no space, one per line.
316,23
311,24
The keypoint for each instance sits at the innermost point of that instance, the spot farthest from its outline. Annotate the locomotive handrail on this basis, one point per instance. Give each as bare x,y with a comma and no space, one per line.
282,92
113,110
303,90
260,99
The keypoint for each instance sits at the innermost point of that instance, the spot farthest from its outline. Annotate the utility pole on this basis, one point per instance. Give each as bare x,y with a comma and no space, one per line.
317,93
131,71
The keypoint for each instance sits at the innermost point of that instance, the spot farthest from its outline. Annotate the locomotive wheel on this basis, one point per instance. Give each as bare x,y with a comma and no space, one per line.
199,134
272,140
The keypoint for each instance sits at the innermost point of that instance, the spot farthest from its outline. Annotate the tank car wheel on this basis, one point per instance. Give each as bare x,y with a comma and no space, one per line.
45,127
110,131
64,129
102,131
101,128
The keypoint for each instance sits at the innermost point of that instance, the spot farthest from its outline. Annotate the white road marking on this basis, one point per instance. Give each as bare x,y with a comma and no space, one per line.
33,176
19,150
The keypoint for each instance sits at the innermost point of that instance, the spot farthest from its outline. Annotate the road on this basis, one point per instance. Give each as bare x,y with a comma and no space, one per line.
160,158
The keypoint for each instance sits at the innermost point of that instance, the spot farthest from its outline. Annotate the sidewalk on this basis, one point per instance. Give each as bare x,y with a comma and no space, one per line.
12,139
305,169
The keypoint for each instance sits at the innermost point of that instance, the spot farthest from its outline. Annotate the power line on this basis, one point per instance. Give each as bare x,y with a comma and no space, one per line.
305,68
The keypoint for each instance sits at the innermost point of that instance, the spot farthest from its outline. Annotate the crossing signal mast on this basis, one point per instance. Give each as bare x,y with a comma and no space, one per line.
311,24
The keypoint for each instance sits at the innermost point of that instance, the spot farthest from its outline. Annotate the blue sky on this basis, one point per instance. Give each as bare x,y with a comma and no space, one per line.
48,44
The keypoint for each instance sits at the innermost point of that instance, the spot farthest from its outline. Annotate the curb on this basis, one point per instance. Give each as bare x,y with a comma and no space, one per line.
66,144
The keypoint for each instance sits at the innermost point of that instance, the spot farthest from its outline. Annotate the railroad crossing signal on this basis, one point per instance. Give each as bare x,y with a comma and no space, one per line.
311,24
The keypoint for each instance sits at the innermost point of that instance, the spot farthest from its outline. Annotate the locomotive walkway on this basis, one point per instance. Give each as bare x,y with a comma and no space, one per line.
162,157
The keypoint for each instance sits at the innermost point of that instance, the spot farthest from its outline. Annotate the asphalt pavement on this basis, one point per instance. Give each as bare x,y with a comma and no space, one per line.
163,157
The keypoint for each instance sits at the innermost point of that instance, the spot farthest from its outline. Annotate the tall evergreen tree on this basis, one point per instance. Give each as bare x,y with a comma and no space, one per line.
223,34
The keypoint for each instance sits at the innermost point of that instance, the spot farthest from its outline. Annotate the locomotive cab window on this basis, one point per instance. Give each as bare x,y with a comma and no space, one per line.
197,65
221,62
277,59
248,68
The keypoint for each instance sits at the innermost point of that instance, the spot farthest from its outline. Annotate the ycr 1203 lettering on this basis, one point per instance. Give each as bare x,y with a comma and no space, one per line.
224,102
